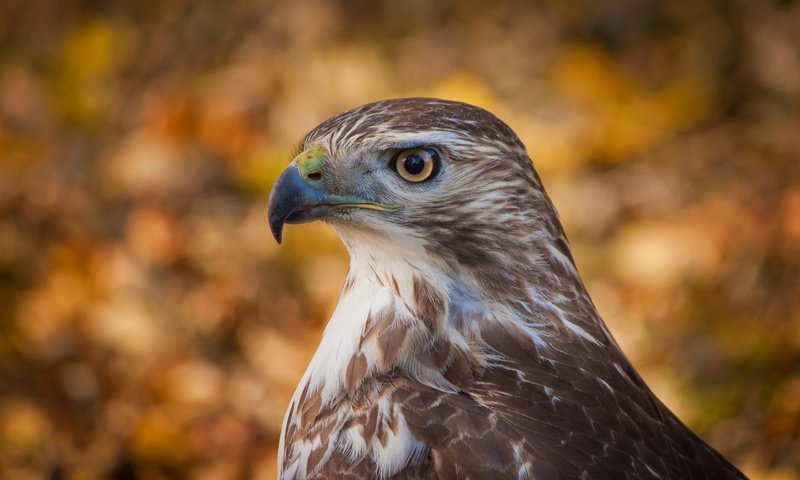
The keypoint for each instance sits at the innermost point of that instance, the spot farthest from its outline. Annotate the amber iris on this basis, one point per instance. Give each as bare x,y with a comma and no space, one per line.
417,164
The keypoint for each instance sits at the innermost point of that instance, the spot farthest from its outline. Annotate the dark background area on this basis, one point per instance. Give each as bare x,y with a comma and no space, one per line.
151,328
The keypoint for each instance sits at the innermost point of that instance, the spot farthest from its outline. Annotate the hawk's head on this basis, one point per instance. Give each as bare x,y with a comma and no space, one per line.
420,176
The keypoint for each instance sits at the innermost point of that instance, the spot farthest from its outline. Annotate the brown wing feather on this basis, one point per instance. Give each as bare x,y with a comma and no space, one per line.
548,417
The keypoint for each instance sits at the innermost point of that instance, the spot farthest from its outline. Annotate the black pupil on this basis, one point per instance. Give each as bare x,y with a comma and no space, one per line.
414,164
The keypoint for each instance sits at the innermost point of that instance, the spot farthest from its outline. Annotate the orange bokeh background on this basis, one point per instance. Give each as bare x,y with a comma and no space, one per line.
151,328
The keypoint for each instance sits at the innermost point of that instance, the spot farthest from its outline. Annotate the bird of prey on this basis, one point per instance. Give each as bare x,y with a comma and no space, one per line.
464,344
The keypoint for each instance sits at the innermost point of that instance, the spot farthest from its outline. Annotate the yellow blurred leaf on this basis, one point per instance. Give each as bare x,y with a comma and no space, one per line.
158,439
89,59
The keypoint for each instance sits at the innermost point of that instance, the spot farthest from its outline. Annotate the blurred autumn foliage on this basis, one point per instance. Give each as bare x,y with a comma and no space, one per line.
150,327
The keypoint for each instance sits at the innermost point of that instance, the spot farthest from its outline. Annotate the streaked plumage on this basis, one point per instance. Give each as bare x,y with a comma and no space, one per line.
464,344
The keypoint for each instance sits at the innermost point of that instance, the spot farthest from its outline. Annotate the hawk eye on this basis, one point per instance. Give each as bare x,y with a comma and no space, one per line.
417,164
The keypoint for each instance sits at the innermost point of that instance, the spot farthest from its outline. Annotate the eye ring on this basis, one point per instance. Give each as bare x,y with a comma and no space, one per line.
417,164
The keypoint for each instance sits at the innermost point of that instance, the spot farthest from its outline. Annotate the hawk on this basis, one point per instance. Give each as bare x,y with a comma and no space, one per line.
464,344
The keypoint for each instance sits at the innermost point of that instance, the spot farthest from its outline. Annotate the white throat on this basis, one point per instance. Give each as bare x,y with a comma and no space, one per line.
379,277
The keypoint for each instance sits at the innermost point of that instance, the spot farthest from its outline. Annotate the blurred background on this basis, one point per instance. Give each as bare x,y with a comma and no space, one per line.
150,327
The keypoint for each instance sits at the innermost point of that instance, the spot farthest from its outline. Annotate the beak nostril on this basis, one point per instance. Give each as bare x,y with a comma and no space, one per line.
314,176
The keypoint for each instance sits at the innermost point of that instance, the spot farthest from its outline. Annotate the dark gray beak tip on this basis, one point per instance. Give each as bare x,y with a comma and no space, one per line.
279,206
277,230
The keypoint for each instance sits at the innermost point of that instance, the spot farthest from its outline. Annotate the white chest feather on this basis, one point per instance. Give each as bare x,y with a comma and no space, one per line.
326,379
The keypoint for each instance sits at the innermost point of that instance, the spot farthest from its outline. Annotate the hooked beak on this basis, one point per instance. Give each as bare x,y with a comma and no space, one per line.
299,196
